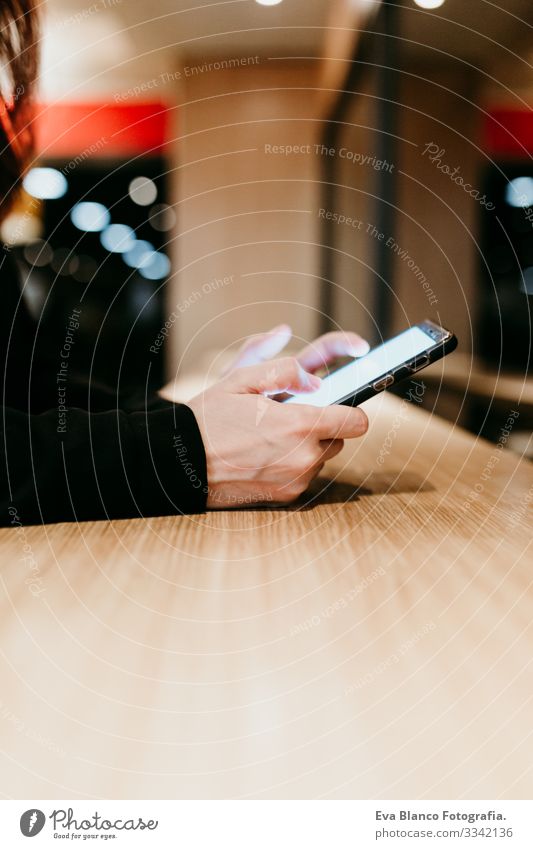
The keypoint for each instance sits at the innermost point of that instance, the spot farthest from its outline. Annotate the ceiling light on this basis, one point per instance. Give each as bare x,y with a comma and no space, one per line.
429,4
268,2
139,254
90,217
519,192
155,266
45,183
117,238
142,191
19,228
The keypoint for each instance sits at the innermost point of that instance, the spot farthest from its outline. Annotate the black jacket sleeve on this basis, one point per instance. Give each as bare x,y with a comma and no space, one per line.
112,464
81,451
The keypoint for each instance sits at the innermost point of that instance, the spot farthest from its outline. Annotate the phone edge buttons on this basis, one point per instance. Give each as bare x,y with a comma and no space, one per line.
419,362
383,383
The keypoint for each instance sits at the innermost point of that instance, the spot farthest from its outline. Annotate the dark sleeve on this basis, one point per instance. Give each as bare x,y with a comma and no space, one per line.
97,465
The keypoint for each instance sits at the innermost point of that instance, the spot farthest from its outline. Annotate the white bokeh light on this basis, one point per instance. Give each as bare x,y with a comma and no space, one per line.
519,192
45,183
142,191
139,254
117,238
90,217
429,4
155,267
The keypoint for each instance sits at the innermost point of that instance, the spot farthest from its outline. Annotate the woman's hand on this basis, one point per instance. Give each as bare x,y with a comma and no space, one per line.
318,354
259,450
262,347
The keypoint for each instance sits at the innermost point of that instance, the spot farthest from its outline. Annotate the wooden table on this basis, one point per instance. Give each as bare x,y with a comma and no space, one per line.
376,643
466,375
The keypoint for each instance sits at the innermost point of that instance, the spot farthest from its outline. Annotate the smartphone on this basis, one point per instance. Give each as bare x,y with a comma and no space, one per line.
394,360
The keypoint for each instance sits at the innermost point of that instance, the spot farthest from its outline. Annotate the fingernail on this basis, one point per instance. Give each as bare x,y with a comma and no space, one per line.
363,422
314,381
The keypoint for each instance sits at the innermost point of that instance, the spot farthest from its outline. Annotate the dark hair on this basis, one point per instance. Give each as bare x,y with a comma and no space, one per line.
19,61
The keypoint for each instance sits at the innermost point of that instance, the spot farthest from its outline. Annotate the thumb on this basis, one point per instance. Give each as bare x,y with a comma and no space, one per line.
272,378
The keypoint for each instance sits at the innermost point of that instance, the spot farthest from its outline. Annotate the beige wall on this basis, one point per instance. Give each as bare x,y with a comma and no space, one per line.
244,215
253,217
436,221
353,254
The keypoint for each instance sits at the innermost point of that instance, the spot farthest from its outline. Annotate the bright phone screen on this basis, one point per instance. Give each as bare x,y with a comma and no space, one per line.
378,362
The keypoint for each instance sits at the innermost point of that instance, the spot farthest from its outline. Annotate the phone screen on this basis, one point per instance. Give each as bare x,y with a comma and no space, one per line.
378,362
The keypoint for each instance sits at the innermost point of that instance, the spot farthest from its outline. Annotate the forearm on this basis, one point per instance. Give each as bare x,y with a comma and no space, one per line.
112,464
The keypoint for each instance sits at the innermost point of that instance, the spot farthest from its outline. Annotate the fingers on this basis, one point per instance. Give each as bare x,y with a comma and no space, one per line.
283,375
326,348
263,346
298,485
326,451
335,422
330,449
319,353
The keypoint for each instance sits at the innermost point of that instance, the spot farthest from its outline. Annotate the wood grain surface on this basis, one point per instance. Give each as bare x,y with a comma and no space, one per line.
373,641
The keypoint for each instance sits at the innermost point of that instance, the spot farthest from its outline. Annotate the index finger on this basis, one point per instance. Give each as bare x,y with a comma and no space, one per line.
326,348
262,346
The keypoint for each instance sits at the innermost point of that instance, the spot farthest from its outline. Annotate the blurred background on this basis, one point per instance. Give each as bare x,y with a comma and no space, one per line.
206,170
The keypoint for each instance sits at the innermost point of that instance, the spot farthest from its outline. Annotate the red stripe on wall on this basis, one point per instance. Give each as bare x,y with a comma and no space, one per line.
509,132
101,129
